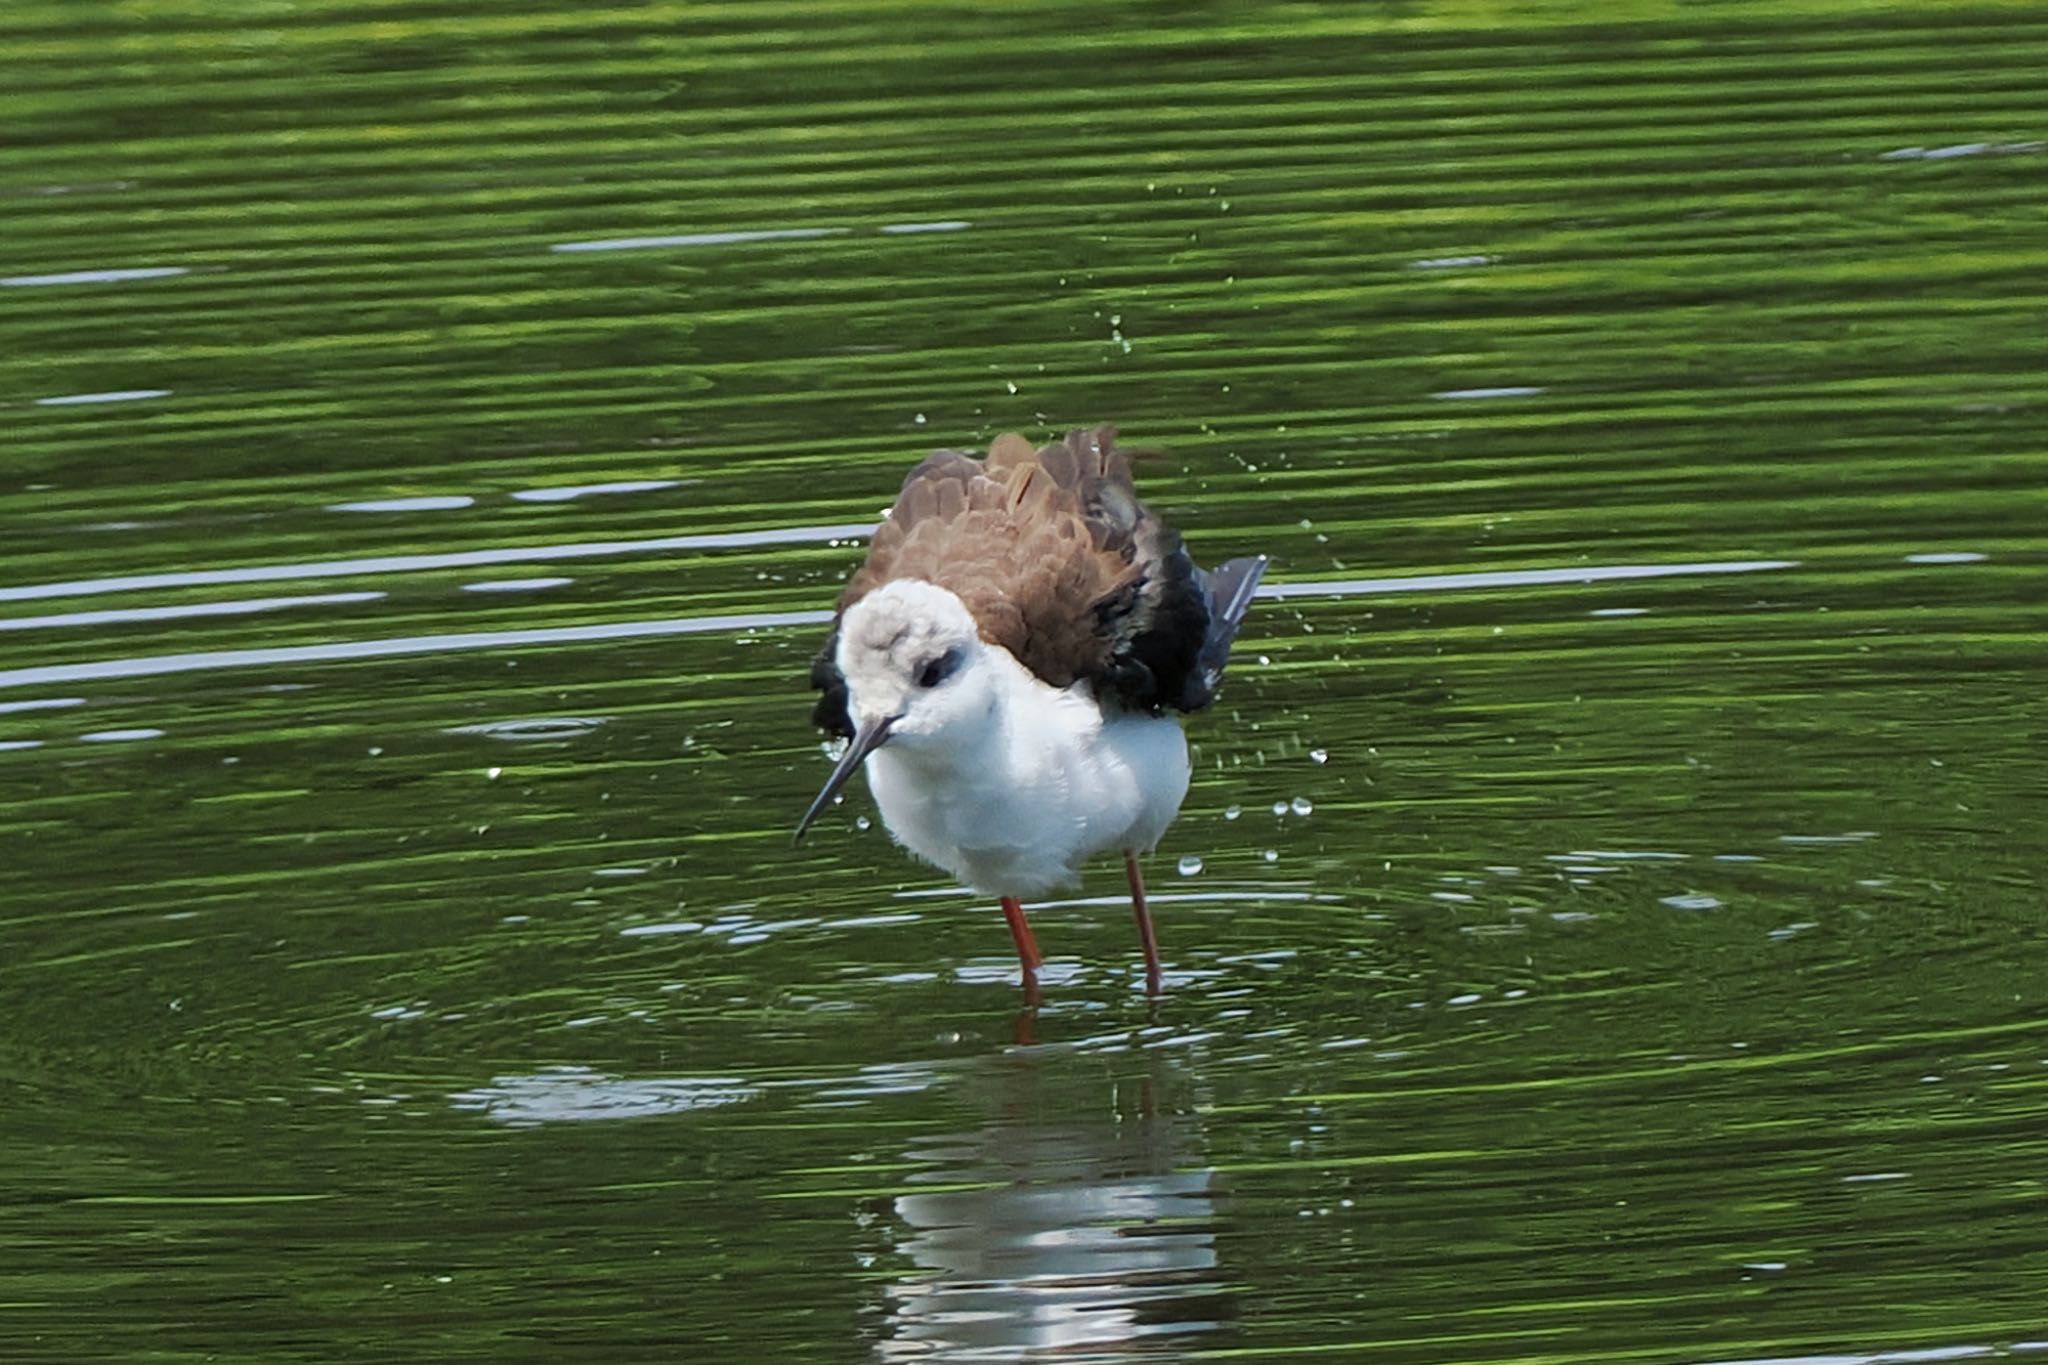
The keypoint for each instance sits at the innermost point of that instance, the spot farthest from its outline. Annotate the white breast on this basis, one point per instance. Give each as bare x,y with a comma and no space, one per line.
1054,783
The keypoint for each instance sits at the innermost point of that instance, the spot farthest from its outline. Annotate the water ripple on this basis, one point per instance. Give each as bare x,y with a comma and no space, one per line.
117,616
451,559
461,642
117,276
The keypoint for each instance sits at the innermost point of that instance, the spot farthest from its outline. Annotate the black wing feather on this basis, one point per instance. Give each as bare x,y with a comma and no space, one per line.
830,714
1173,642
1231,586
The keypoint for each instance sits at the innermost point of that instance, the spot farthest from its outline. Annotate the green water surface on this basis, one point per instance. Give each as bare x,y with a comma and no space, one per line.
1606,924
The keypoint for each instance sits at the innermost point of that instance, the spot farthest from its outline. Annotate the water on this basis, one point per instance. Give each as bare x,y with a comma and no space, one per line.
1605,923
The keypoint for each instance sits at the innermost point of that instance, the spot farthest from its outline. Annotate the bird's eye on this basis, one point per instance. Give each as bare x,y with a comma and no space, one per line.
938,670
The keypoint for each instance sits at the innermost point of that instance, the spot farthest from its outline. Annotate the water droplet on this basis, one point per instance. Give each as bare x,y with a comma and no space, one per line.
919,419
1301,805
1010,384
1272,855
1232,812
863,823
1189,865
1319,756
1279,808
491,774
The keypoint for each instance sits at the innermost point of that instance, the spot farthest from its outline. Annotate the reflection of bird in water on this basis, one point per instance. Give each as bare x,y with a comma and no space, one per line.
1004,660
1096,1235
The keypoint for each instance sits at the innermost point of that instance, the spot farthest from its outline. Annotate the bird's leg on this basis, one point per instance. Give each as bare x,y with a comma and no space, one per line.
1144,917
1027,947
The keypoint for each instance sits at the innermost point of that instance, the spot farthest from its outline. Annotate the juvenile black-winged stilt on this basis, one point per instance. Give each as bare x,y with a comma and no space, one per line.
1004,662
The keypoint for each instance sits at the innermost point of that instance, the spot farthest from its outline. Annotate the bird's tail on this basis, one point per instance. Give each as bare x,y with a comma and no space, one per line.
1230,586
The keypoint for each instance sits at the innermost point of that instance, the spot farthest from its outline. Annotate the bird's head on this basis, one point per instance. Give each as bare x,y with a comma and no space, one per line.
910,655
916,673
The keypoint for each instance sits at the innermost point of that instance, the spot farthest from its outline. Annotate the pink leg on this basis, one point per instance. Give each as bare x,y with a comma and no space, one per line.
1027,947
1144,916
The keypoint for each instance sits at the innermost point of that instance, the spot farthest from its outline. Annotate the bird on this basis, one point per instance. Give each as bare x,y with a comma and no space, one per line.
1006,663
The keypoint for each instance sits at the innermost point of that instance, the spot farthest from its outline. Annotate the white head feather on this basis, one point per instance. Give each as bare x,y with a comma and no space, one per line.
909,651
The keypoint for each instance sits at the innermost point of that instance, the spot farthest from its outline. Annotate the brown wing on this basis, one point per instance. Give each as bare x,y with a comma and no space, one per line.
1057,560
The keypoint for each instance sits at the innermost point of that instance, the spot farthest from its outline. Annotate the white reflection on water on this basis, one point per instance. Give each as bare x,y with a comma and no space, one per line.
744,236
1506,391
574,1094
531,730
65,400
697,239
582,1094
1956,149
1070,1236
1905,1357
1516,578
42,704
117,276
456,642
452,559
245,607
590,490
441,502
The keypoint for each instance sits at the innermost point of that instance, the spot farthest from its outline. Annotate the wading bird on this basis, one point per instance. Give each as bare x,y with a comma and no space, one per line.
1005,663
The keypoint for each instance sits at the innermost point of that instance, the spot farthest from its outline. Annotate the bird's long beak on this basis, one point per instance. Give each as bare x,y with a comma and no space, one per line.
866,741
